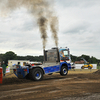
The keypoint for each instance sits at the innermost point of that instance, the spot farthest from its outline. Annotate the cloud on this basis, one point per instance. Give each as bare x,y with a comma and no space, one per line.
77,28
78,3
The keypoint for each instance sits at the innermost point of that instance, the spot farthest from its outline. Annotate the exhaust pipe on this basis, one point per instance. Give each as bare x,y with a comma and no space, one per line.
44,55
58,56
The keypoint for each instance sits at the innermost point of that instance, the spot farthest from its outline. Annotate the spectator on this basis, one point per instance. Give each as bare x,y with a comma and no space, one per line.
19,64
98,63
73,66
0,64
7,66
4,68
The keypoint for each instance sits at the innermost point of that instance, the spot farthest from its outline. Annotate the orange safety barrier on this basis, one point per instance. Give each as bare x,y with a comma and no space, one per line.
1,74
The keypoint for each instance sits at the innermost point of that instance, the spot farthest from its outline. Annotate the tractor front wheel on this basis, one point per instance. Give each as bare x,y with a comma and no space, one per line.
63,71
82,67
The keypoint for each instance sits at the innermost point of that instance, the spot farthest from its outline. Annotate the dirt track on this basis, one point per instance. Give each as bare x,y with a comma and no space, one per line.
54,87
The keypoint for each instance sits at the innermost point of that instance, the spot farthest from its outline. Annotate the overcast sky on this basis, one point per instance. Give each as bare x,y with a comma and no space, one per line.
79,29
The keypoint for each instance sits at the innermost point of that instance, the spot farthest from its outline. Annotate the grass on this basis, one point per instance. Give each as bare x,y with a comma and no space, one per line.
98,67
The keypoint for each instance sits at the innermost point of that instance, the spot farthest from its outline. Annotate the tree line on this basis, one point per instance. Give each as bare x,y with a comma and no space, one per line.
12,56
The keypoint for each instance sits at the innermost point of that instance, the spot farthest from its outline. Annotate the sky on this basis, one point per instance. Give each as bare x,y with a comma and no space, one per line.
79,22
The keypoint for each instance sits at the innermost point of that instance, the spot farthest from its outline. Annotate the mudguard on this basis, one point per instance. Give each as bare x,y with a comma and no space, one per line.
21,72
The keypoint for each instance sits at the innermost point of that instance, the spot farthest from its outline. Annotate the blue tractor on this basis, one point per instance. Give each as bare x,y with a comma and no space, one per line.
55,60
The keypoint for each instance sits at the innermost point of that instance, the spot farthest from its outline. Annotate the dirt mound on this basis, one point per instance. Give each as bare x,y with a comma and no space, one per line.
97,72
14,80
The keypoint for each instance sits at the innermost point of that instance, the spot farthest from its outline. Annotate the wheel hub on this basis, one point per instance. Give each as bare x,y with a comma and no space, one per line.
65,71
37,75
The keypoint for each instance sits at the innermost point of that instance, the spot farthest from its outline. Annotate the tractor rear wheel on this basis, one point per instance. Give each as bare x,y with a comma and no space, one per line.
89,67
36,74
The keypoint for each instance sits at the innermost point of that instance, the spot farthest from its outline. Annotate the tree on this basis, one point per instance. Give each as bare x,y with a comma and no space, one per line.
93,60
9,56
86,57
1,59
73,58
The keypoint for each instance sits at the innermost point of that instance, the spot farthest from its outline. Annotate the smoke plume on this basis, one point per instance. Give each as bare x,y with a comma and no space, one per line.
54,29
42,21
41,10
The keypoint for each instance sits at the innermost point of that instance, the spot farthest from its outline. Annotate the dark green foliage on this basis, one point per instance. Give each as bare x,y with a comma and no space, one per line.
31,58
12,56
9,56
1,58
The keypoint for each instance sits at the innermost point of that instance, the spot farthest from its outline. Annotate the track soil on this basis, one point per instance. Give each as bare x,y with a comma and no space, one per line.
85,86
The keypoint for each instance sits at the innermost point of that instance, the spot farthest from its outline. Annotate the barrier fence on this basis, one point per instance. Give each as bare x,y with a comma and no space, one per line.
78,66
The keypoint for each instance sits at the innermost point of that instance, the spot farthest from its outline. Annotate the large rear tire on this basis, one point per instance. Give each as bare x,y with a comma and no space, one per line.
89,67
27,76
63,71
36,74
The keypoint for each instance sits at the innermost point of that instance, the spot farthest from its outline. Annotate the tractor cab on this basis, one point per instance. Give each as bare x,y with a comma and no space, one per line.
64,55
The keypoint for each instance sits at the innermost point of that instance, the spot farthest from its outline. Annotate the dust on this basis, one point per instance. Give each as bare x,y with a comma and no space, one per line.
97,72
